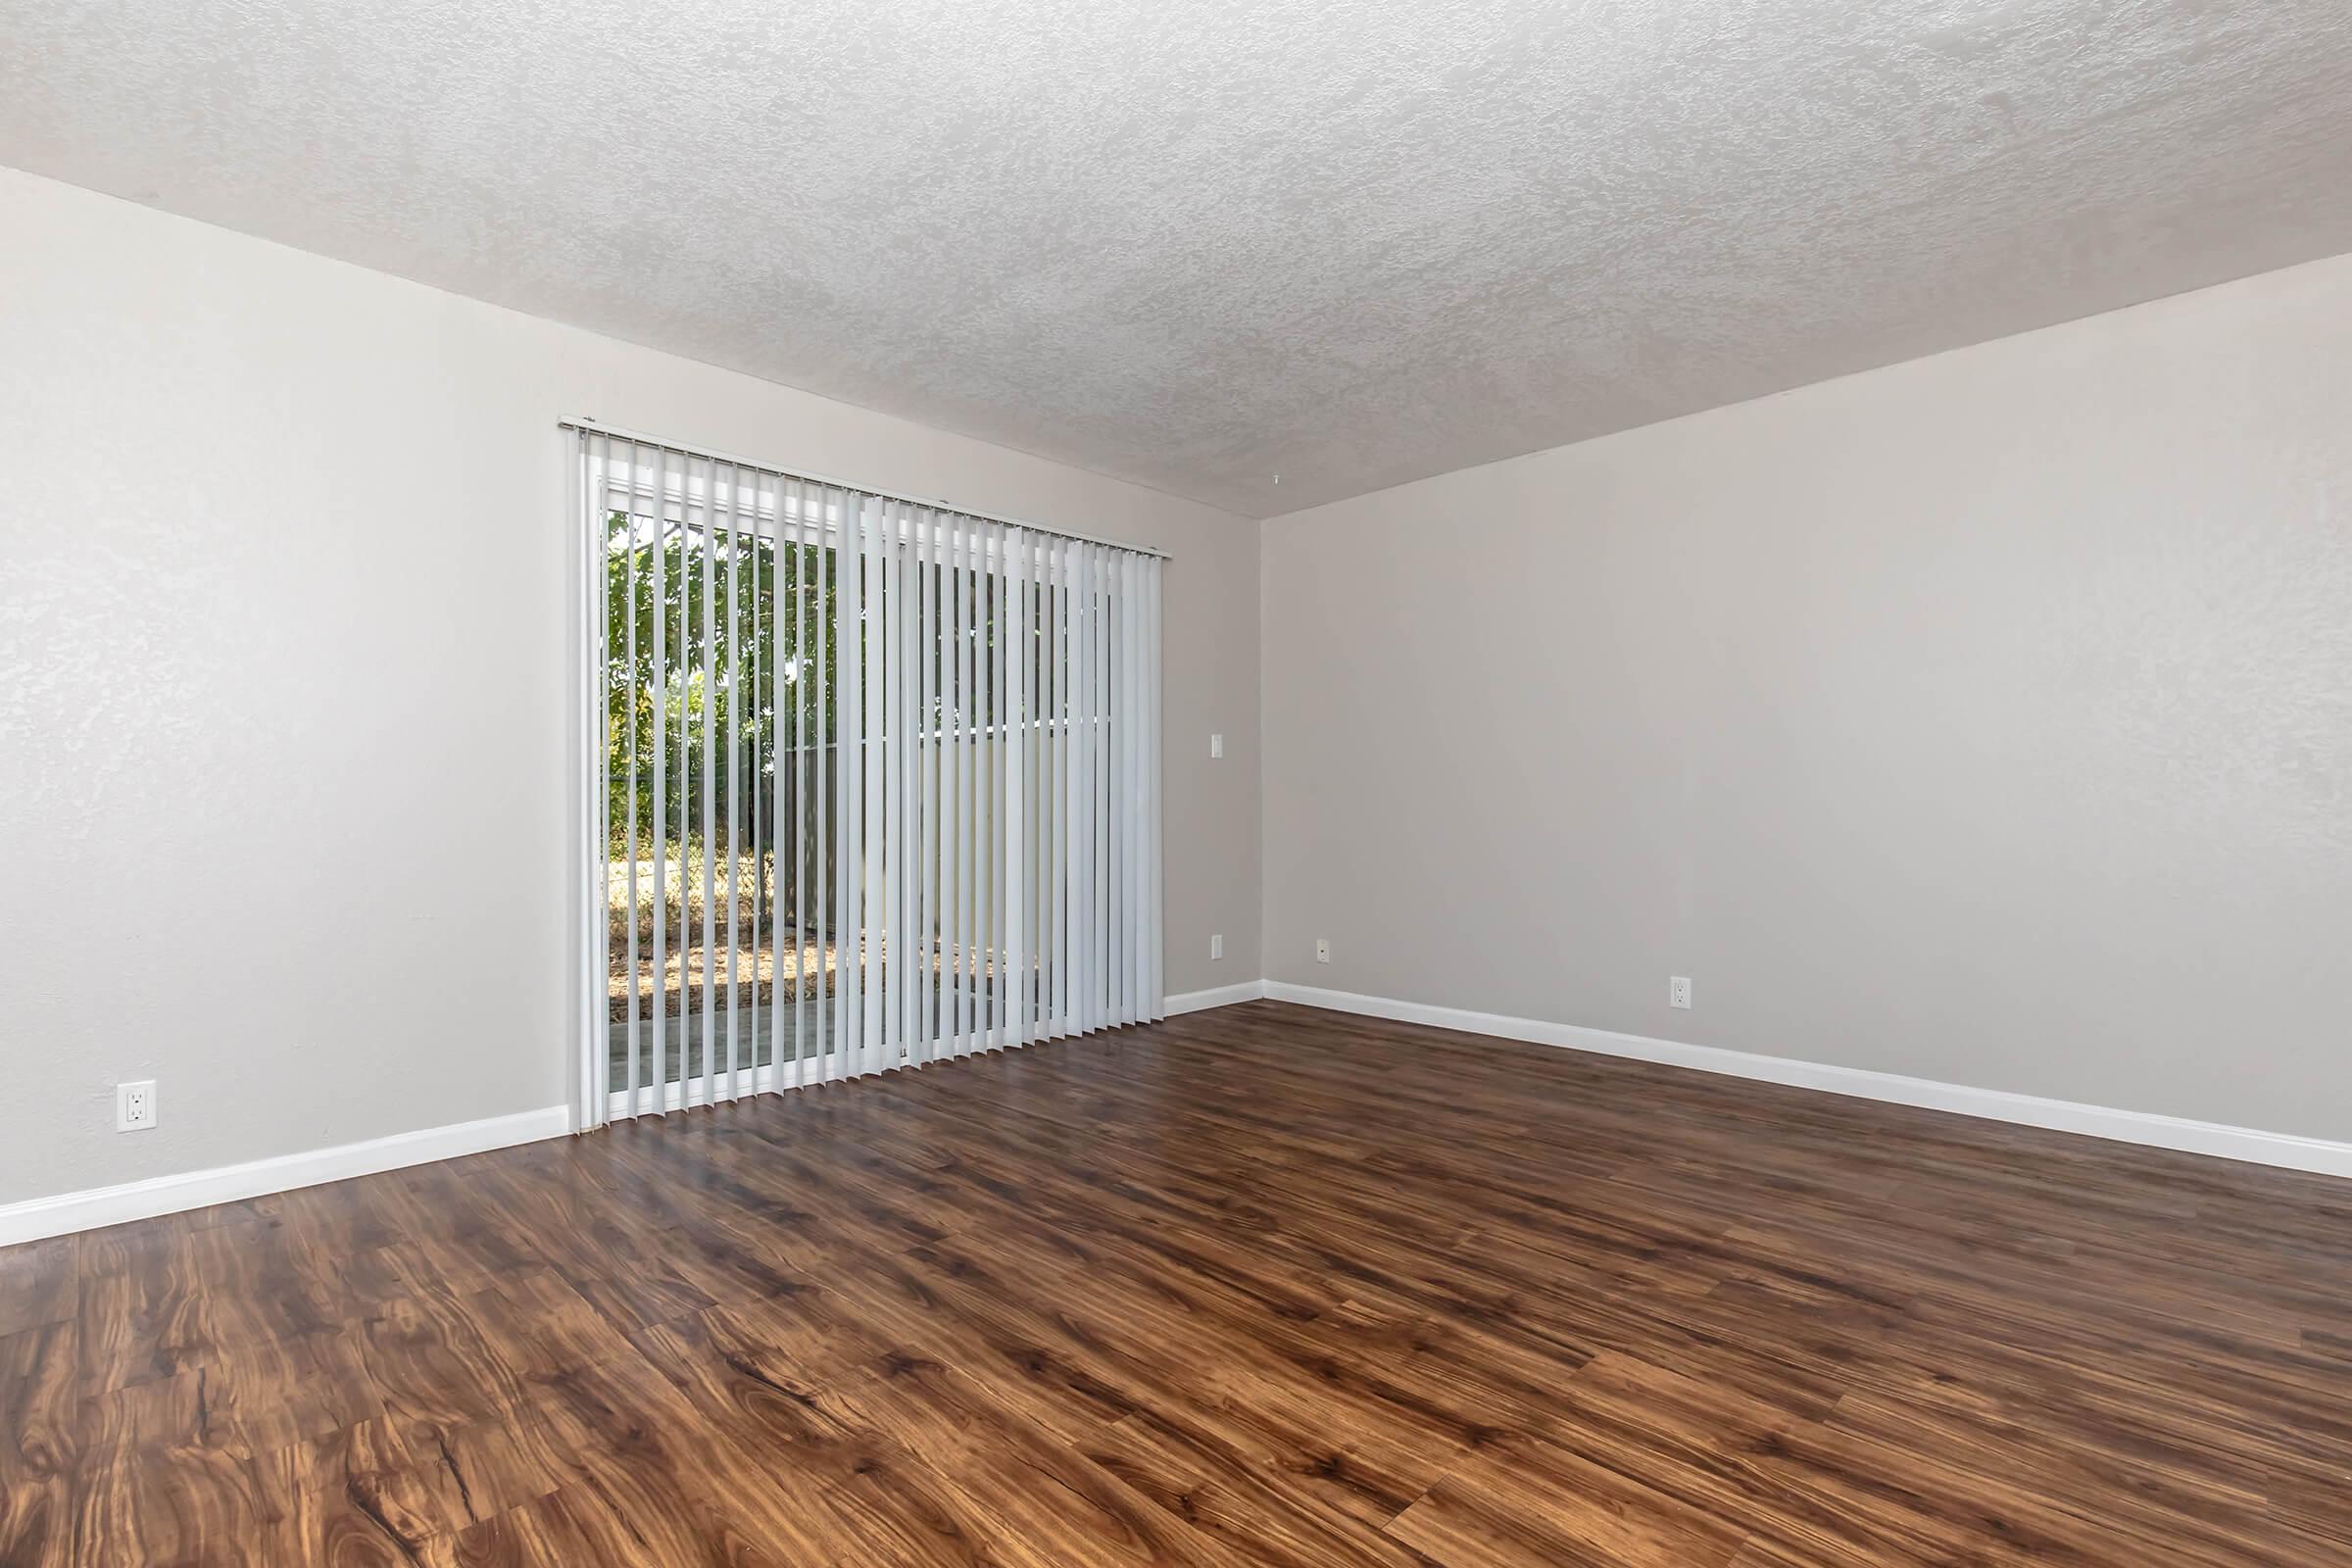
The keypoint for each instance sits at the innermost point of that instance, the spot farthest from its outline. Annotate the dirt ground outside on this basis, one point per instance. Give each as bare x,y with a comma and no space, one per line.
802,968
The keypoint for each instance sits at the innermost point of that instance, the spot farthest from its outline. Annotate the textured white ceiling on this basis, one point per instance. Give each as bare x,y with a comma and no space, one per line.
1197,244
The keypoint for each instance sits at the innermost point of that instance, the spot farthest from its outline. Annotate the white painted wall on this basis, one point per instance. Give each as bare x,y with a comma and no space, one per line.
1986,718
283,683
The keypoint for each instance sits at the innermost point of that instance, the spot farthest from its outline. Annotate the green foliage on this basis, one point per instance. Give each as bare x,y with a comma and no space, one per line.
738,625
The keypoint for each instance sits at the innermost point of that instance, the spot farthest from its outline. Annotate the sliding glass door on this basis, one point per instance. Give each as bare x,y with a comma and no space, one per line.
875,783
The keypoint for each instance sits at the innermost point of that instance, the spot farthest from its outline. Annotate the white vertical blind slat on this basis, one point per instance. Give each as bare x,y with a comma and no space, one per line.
592,452
734,786
758,826
1103,819
951,793
787,777
1042,771
906,609
784,781
1114,849
1109,779
764,827
1155,937
968,851
816,763
1105,782
1122,787
638,1073
1083,922
869,847
811,773
855,702
1132,812
882,742
925,784
897,937
894,617
1057,665
708,798
986,801
882,923
1123,772
1016,819
629,574
1009,861
682,831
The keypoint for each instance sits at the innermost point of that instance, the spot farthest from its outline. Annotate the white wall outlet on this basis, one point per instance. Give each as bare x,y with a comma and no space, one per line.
1216,746
1677,991
1216,946
134,1106
1322,949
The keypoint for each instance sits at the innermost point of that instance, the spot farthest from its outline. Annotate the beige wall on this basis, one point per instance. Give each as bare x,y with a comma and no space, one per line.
283,683
1986,718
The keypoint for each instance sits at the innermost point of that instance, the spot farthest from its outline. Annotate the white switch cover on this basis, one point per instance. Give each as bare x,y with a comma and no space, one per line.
134,1106
1677,991
1216,946
1216,746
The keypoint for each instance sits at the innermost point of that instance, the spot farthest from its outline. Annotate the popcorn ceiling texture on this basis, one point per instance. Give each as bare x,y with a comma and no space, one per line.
1353,242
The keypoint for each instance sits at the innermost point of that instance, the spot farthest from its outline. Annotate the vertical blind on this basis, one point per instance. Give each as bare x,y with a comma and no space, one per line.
873,783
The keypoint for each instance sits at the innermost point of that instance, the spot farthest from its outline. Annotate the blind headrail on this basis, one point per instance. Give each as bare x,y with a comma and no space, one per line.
591,426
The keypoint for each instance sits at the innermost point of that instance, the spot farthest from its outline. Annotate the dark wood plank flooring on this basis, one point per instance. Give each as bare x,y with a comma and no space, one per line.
1259,1285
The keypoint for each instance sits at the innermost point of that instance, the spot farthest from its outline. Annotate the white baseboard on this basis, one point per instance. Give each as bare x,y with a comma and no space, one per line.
37,1217
2287,1150
65,1213
1220,997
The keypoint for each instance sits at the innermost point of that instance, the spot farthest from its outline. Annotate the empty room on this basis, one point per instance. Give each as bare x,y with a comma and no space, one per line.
1024,784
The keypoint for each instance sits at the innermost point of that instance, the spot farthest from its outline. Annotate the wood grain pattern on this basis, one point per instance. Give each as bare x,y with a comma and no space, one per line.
1259,1285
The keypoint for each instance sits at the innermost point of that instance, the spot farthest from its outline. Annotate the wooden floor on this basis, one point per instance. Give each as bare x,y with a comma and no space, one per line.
1264,1285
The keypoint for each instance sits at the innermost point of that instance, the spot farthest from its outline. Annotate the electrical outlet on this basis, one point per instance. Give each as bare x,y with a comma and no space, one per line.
1322,949
1677,991
1216,746
1216,946
134,1106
